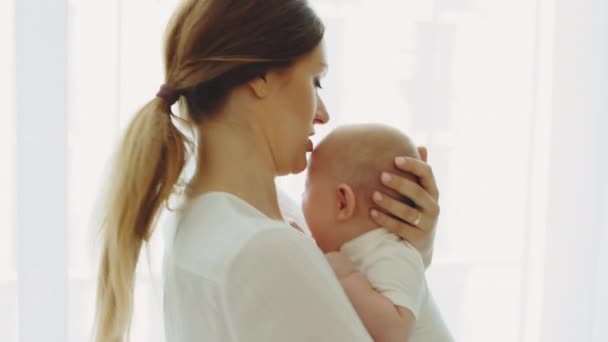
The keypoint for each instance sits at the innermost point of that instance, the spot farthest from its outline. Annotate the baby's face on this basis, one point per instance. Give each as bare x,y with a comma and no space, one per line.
319,207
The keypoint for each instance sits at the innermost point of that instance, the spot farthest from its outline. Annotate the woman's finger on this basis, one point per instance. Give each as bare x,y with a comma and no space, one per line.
420,169
421,240
398,209
423,152
410,189
398,227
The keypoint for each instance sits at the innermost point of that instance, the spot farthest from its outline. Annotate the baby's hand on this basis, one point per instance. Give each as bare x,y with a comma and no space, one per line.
341,264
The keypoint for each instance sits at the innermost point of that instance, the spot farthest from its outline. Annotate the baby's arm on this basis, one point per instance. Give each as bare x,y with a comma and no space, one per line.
383,320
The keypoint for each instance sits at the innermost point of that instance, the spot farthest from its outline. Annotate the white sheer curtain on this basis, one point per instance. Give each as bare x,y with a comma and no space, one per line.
575,306
509,97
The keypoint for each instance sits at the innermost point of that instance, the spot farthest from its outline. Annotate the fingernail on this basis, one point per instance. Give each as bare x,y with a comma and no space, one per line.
400,161
377,196
386,177
374,213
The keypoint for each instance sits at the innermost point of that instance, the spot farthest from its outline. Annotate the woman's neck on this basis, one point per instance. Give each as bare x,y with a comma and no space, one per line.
235,160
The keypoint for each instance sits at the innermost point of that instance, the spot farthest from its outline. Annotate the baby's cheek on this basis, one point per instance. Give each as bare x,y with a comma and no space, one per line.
318,233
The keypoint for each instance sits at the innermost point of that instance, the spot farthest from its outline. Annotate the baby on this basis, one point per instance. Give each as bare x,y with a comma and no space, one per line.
382,275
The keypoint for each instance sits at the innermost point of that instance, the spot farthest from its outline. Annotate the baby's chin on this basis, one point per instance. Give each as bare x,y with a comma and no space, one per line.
325,250
321,241
328,245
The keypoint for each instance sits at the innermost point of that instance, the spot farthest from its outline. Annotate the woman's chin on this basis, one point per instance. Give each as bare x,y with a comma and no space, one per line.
297,165
295,168
301,166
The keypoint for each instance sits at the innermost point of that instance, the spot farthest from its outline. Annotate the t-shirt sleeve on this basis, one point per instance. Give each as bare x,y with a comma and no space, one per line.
280,288
397,271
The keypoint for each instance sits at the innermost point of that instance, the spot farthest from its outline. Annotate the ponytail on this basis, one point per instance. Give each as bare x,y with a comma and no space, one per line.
146,169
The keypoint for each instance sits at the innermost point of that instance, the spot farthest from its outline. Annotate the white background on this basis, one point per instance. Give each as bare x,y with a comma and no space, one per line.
509,96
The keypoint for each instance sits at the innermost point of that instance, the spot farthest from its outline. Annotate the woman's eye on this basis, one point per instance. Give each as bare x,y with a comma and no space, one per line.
318,83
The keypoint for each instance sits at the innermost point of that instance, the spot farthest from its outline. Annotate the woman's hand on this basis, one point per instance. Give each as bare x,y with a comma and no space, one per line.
415,225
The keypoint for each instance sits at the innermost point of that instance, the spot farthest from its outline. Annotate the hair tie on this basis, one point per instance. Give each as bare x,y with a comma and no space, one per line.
168,94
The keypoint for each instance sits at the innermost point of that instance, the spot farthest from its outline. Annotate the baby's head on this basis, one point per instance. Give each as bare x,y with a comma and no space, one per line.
343,172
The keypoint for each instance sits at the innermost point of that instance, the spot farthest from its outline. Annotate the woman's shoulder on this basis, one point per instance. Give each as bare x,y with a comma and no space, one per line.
213,232
278,239
278,255
222,214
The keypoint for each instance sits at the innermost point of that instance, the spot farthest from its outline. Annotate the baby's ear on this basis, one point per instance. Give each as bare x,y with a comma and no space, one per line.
345,202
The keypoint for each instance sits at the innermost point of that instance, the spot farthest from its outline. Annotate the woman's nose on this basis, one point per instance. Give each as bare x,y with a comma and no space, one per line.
321,117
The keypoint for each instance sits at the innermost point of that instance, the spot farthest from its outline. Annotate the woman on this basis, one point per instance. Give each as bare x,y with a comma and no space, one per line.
246,74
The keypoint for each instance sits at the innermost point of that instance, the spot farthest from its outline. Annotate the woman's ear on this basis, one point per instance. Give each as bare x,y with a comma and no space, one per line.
259,86
345,201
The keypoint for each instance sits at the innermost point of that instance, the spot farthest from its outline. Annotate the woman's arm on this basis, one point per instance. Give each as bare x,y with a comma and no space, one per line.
416,225
280,288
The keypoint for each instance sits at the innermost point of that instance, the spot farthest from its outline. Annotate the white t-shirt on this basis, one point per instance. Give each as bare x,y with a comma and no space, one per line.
395,269
232,274
292,212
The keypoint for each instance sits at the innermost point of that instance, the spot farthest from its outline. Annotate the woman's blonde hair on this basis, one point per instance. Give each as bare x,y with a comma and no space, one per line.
211,47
